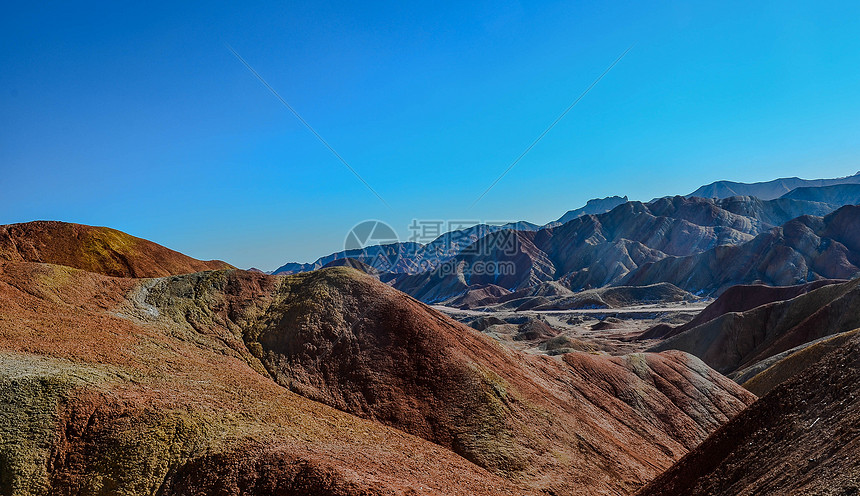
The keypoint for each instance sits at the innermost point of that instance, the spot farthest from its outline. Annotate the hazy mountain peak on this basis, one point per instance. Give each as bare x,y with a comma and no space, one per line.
767,190
592,207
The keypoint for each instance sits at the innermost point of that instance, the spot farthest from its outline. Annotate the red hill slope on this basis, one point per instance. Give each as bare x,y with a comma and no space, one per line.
163,385
103,394
587,423
95,249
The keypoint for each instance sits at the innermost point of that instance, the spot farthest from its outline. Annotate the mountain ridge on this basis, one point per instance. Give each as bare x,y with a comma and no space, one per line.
619,247
767,190
802,250
412,257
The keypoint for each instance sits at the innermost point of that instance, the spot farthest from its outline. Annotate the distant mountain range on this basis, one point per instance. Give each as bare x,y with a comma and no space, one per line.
778,232
803,249
767,190
670,240
412,257
592,207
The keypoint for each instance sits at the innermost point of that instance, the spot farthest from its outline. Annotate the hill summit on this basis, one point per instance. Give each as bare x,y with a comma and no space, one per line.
95,249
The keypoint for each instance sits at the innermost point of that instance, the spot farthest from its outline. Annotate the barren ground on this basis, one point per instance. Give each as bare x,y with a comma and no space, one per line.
612,331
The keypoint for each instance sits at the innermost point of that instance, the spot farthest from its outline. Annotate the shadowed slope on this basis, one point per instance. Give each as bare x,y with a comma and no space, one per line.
738,298
781,367
801,438
735,341
95,249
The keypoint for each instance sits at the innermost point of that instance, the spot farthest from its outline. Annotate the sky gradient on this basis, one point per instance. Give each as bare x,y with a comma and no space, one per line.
140,118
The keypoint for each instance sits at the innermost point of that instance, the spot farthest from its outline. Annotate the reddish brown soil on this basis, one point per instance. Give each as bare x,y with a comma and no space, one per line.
592,423
181,412
802,438
182,401
95,249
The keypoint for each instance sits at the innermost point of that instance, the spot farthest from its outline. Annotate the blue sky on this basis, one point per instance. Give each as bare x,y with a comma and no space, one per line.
139,118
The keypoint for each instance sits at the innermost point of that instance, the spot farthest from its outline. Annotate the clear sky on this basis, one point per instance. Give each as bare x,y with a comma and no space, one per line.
139,117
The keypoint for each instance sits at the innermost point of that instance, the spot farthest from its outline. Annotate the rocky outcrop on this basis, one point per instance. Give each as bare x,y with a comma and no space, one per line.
480,296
